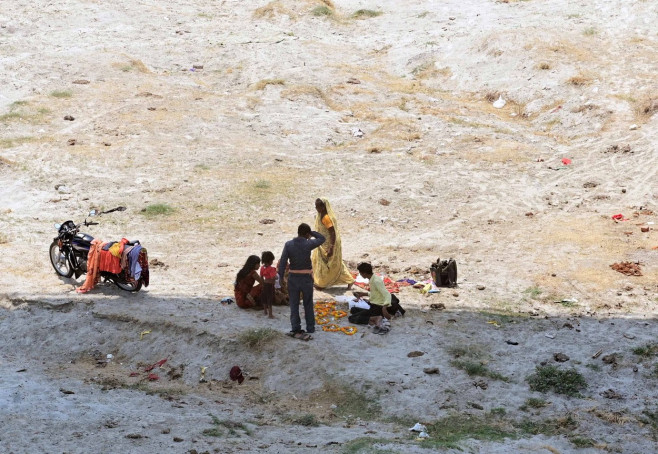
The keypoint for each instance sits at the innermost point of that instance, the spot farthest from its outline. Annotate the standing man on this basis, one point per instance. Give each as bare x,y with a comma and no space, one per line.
300,278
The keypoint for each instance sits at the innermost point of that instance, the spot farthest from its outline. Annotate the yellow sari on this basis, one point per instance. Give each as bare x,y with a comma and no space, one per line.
328,271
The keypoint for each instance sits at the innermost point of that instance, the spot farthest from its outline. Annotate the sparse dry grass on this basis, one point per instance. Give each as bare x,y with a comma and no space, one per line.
131,65
299,92
646,106
14,142
273,9
579,80
258,338
396,129
261,84
612,417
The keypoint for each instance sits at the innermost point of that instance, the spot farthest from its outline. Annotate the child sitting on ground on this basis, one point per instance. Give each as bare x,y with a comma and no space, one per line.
380,300
268,273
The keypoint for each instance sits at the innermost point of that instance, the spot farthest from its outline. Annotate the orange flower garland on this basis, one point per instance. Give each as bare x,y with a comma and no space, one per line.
325,309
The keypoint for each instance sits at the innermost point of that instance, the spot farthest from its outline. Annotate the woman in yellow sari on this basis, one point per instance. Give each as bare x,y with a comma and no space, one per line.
328,266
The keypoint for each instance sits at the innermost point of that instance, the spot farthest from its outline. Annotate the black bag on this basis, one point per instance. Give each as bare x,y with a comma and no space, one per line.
444,273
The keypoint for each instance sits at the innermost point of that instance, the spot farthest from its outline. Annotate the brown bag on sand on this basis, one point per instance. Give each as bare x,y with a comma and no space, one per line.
444,273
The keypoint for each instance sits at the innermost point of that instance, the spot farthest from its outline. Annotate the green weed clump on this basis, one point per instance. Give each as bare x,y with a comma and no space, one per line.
61,94
449,431
646,351
323,10
547,378
366,13
473,368
258,338
533,402
225,427
158,209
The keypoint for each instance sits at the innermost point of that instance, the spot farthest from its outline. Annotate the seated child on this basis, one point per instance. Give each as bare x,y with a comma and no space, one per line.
380,300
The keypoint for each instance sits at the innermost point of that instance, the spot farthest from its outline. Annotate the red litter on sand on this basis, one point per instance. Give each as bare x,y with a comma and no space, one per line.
566,161
153,377
158,364
236,374
619,217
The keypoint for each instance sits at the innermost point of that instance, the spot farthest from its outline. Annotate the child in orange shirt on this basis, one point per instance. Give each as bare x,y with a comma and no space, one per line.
268,273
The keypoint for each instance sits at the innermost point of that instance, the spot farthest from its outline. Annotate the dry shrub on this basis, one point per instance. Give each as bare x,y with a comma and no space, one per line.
394,129
261,84
544,65
132,65
505,152
518,109
272,9
579,80
613,417
429,69
568,51
300,92
647,106
491,96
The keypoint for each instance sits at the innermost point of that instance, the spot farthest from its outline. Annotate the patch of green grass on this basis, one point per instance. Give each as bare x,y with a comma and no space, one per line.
14,142
322,11
423,14
352,403
422,68
504,318
364,445
18,104
262,184
549,427
582,442
589,31
61,94
158,209
646,351
366,13
595,367
533,292
257,338
476,368
470,351
654,373
225,427
449,431
498,411
201,167
533,402
547,378
11,116
650,418
308,420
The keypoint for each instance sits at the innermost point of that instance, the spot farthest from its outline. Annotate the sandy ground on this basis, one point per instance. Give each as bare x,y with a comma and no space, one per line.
233,112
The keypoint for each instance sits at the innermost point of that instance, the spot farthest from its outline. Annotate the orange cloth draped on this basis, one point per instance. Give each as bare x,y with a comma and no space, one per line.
93,267
110,263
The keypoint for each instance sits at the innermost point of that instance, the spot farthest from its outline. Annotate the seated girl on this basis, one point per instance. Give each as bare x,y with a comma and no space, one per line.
247,295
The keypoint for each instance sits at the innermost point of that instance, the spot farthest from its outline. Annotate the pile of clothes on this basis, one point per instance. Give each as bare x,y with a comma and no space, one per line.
129,260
